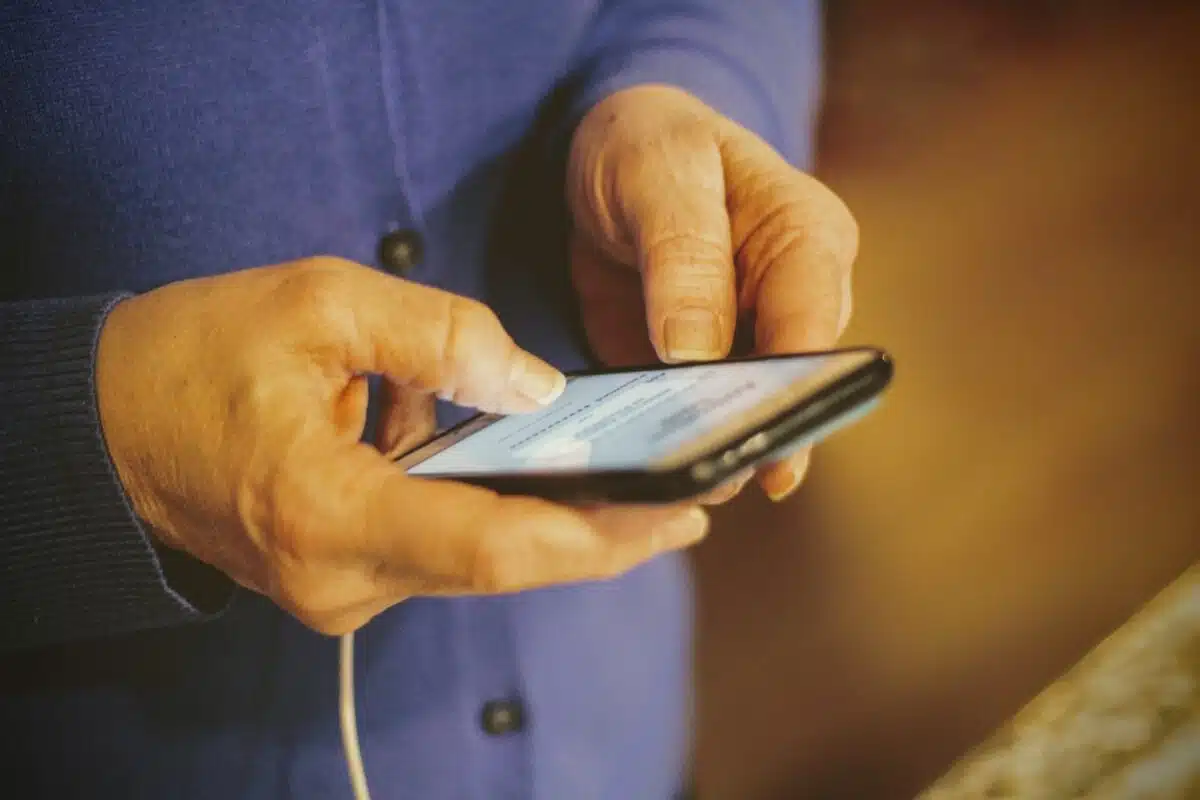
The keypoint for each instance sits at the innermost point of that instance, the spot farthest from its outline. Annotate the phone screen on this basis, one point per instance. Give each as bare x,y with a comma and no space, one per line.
615,421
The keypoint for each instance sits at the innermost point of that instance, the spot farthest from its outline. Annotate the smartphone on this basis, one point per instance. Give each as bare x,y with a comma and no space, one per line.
659,434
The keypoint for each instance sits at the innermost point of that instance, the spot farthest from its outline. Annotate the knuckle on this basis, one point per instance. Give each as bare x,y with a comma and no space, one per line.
292,542
705,254
684,150
845,234
291,527
684,132
498,565
822,237
467,327
468,319
527,544
319,293
835,224
251,400
290,516
294,595
489,570
315,599
791,214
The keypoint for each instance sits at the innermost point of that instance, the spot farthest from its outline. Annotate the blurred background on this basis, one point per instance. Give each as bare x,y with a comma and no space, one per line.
1027,180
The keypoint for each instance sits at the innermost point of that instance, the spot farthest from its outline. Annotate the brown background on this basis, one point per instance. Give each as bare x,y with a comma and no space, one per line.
1027,179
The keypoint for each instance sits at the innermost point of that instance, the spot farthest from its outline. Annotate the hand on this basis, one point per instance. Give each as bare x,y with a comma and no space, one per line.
233,409
691,233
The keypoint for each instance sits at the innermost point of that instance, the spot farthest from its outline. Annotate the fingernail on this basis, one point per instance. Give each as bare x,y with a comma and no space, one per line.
683,529
782,482
692,335
538,381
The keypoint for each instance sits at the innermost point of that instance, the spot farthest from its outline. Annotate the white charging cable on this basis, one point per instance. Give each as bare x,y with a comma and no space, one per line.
346,711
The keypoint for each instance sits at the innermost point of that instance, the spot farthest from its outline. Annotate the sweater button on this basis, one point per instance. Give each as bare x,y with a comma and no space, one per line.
501,717
400,251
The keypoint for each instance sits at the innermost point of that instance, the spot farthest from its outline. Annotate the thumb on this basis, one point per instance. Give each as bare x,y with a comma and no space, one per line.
674,207
438,343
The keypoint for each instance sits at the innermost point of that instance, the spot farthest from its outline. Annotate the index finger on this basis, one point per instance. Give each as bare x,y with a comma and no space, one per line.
795,243
464,539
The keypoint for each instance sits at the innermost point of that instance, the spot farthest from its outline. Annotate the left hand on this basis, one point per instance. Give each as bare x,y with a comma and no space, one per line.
691,233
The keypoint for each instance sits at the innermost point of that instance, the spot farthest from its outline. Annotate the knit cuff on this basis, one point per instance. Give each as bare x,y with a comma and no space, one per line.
74,560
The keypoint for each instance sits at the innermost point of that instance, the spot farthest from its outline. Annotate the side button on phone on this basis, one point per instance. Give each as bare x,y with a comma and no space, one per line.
753,446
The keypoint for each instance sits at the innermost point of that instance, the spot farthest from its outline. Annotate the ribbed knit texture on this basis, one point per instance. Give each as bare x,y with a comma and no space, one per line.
73,559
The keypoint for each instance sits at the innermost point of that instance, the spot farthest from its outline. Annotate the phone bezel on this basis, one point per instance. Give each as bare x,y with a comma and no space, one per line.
708,466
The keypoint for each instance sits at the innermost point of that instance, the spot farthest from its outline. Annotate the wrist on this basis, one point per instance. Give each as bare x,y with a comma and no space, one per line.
117,407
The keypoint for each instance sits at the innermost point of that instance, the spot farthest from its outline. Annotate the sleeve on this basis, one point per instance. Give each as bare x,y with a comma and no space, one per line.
758,62
75,562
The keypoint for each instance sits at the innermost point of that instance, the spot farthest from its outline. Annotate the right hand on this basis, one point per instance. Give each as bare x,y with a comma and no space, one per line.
233,409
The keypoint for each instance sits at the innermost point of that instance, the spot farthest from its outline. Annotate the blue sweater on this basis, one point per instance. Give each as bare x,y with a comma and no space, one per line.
142,142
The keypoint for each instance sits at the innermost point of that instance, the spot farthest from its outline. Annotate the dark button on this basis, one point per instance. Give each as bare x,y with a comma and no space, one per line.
400,251
500,717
